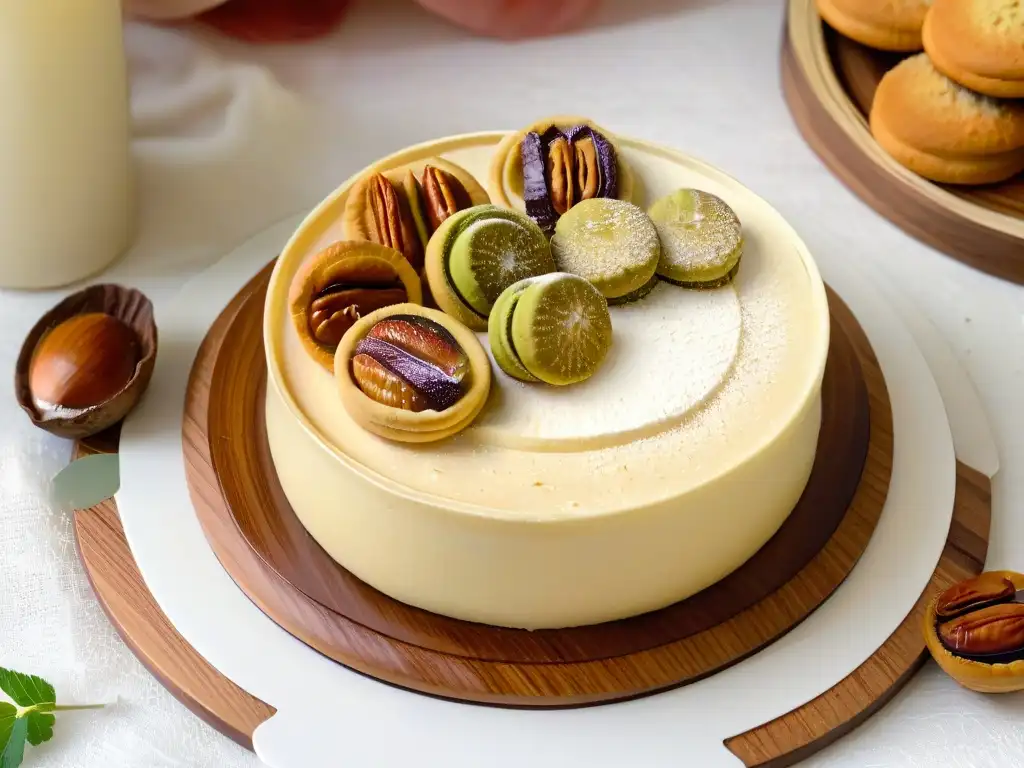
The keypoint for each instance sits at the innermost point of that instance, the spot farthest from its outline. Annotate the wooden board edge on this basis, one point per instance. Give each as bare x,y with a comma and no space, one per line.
984,249
131,609
797,735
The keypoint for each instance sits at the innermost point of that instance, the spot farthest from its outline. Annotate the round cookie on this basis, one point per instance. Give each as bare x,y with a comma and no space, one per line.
506,176
701,239
979,44
887,25
609,242
943,131
476,254
554,328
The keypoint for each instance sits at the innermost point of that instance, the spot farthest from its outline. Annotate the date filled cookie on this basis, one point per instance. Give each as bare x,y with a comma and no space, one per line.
888,25
979,44
943,131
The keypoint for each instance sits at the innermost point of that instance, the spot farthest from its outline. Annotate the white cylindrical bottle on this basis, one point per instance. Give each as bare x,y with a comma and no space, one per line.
66,188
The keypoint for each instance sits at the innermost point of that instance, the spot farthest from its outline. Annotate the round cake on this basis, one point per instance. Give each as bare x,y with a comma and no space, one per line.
609,400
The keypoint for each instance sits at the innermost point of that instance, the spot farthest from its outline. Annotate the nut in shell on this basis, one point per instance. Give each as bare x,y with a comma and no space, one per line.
88,361
412,374
343,283
975,632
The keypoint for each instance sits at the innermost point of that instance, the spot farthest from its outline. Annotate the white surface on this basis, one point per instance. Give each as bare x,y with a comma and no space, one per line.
312,694
64,141
223,149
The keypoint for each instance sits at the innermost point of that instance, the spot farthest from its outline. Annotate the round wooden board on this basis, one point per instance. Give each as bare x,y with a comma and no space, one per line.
232,402
273,560
791,737
829,83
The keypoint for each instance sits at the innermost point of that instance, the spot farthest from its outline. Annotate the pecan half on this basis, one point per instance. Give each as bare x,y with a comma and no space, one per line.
338,307
996,630
444,195
390,220
356,288
974,594
560,173
588,169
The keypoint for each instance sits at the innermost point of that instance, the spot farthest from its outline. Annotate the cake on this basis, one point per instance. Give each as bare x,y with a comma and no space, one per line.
483,476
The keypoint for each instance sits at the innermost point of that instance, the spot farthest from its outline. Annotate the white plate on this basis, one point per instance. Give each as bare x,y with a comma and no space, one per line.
328,715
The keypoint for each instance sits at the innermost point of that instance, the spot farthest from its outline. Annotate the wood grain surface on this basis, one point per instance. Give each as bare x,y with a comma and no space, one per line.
829,83
133,612
118,584
262,545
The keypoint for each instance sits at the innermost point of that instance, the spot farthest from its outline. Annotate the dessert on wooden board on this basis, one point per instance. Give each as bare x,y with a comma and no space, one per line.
608,399
948,113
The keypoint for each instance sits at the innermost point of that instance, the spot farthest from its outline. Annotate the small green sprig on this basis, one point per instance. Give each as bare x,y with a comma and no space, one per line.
30,718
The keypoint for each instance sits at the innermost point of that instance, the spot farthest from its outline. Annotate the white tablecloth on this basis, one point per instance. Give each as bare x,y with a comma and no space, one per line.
230,139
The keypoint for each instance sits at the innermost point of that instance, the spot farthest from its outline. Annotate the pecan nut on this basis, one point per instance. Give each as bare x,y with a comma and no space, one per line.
390,219
343,283
337,308
995,630
444,195
974,594
561,175
588,170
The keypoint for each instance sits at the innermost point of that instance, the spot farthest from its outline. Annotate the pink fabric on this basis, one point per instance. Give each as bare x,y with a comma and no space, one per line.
267,21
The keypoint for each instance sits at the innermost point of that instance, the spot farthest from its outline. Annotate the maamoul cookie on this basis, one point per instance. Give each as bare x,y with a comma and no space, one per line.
609,242
979,44
701,239
888,25
944,131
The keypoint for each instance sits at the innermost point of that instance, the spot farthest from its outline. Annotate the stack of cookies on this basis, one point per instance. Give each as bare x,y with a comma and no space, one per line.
954,113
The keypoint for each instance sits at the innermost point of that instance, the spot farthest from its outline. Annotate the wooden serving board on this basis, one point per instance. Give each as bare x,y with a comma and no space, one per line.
132,610
829,83
263,546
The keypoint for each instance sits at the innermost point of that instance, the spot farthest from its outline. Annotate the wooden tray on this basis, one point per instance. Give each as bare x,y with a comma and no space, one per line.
119,586
261,543
829,83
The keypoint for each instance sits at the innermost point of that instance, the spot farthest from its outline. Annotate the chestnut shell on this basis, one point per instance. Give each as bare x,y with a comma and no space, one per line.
126,304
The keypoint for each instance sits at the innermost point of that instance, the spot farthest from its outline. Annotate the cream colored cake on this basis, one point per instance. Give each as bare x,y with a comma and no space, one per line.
565,506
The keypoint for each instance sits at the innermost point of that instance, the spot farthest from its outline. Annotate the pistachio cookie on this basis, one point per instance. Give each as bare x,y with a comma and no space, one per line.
611,243
555,328
555,163
979,44
701,239
887,25
343,283
402,207
478,253
943,131
412,374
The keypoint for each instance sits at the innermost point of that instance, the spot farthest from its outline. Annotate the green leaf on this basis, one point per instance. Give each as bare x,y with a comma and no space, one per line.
26,690
40,727
8,714
16,729
30,693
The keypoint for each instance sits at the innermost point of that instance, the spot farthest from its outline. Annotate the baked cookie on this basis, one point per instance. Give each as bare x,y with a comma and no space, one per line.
888,25
978,43
943,131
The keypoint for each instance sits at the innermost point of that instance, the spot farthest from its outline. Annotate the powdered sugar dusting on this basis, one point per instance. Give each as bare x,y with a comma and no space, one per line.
604,239
669,354
762,347
698,231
